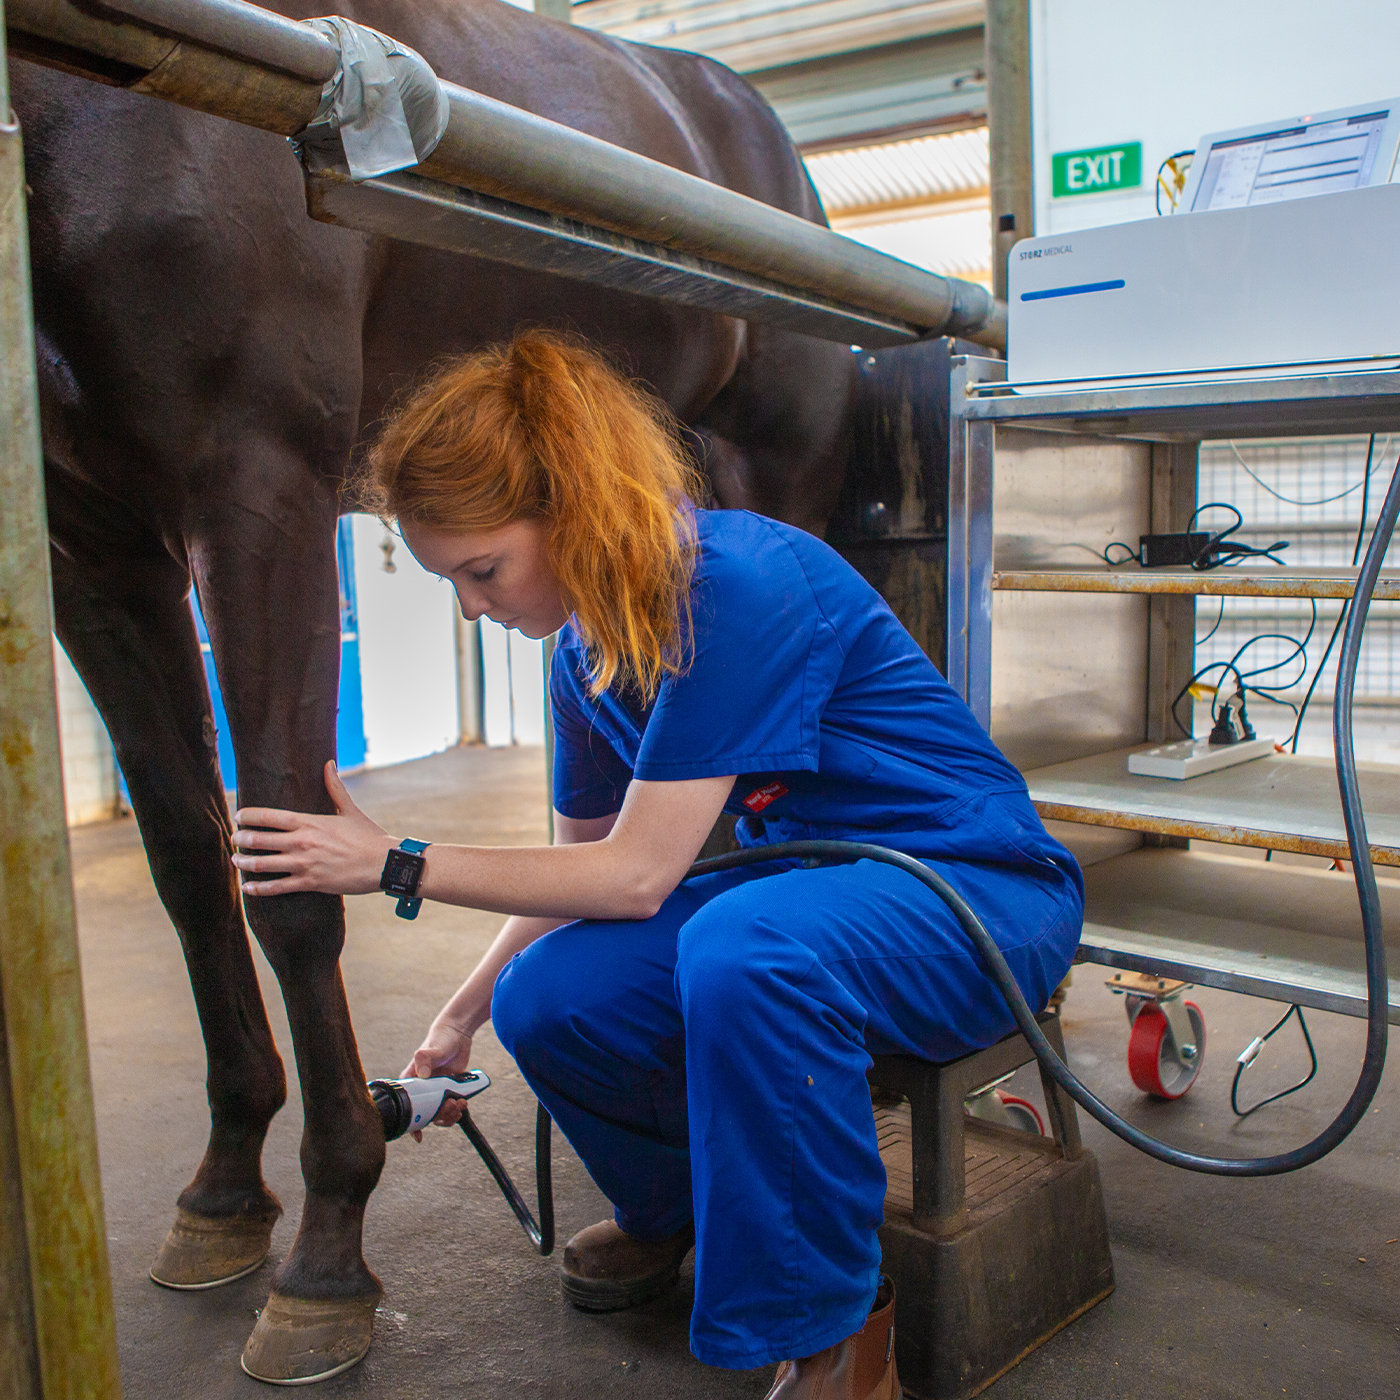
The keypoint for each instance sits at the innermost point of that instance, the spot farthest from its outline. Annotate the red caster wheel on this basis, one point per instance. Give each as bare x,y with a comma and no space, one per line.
993,1105
1021,1113
1156,1064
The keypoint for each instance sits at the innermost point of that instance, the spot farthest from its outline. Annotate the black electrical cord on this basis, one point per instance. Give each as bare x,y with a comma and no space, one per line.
1377,986
1252,1050
1219,618
1186,730
541,1233
1242,678
1221,550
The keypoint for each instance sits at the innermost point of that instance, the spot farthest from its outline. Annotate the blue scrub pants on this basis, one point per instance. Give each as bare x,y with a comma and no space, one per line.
709,1063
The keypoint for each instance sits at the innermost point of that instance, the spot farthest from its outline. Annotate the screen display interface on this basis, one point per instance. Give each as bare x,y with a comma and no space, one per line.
1321,158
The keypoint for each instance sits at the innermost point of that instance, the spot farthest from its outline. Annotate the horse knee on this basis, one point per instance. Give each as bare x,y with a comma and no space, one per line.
296,931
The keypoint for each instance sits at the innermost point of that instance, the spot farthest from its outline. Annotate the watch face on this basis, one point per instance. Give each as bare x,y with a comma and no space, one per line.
402,871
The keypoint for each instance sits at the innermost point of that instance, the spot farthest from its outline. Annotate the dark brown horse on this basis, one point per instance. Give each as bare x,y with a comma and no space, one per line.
208,359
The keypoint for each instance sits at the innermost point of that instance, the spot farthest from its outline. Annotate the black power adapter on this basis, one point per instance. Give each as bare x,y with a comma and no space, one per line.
1161,551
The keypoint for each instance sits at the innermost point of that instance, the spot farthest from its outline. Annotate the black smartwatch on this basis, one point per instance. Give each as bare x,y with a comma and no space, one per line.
403,872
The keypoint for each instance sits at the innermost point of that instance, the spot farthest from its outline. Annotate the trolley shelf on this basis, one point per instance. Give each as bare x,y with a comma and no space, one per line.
1282,802
1268,930
1292,581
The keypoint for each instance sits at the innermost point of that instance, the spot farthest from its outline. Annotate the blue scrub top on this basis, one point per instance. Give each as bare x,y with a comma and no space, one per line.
807,686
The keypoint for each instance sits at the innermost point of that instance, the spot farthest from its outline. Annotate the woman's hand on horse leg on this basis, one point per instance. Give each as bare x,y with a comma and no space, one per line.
340,854
446,1049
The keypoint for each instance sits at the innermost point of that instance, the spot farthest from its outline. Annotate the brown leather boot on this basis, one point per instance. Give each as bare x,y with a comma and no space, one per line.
860,1368
606,1270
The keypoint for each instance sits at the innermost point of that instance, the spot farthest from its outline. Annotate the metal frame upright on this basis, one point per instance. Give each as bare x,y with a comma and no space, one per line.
1071,663
57,1337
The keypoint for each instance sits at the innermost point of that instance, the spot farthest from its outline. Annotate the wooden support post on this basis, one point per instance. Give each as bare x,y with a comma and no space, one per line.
57,1339
1008,48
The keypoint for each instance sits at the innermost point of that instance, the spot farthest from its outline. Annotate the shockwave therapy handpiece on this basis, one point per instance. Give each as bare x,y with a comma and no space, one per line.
409,1105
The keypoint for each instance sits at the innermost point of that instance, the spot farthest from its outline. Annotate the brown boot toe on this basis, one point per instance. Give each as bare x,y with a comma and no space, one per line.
860,1368
606,1270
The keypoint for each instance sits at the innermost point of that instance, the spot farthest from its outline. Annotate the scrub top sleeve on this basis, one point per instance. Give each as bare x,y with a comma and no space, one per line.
766,661
590,780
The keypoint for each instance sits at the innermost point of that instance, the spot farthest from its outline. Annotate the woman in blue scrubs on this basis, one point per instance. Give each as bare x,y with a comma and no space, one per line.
702,1044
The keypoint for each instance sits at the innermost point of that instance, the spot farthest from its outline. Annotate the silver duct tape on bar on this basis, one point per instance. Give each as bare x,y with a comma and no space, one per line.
409,207
383,109
501,151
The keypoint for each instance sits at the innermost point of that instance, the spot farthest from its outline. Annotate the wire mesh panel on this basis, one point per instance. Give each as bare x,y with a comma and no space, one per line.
1320,496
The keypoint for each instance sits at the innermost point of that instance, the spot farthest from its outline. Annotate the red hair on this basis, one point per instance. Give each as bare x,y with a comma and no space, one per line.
544,428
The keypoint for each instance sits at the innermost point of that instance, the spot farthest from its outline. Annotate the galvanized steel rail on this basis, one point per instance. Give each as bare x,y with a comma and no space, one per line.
612,215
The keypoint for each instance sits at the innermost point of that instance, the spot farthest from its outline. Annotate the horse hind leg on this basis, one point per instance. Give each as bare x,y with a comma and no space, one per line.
130,635
273,621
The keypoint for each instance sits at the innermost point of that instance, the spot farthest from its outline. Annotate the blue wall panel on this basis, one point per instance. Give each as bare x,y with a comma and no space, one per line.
350,720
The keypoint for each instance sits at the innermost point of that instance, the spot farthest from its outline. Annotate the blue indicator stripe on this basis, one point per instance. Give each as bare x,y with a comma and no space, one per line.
1113,286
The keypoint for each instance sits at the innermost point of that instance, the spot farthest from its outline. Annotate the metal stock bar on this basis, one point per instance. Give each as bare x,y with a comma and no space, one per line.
407,206
239,61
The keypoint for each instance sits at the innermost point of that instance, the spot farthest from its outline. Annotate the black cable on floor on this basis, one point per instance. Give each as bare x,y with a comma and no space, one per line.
1251,1052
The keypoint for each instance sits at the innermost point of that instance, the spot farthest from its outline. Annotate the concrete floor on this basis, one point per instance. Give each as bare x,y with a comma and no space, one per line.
1234,1289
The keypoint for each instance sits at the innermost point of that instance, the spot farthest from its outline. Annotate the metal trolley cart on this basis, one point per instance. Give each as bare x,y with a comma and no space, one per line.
1071,664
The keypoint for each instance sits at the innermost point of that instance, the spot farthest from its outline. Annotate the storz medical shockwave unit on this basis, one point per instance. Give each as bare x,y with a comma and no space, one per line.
1254,275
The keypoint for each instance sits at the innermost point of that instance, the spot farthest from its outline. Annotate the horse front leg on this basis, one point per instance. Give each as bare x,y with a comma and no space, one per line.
125,623
269,588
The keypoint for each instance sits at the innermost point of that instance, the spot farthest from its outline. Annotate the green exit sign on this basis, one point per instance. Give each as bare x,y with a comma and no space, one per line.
1099,171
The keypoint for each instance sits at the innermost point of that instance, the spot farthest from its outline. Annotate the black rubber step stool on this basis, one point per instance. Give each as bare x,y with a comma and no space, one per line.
995,1238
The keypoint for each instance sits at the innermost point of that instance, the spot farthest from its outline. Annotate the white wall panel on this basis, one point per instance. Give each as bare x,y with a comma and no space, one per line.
1166,75
408,655
90,791
514,686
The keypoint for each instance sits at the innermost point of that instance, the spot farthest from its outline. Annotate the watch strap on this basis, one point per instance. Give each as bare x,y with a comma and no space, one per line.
408,906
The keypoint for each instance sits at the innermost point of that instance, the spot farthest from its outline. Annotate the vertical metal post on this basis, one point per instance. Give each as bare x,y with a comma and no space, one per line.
1008,47
971,449
550,643
57,1338
471,681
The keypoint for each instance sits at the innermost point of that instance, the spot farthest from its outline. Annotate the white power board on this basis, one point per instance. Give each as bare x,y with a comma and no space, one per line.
1191,757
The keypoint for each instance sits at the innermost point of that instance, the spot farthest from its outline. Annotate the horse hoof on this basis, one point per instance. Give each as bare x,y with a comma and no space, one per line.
203,1251
299,1341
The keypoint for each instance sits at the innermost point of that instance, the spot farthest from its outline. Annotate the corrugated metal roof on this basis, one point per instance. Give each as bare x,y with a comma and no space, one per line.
750,35
925,169
827,111
955,244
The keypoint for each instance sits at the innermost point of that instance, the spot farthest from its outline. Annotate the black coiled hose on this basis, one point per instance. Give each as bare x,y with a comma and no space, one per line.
1377,986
